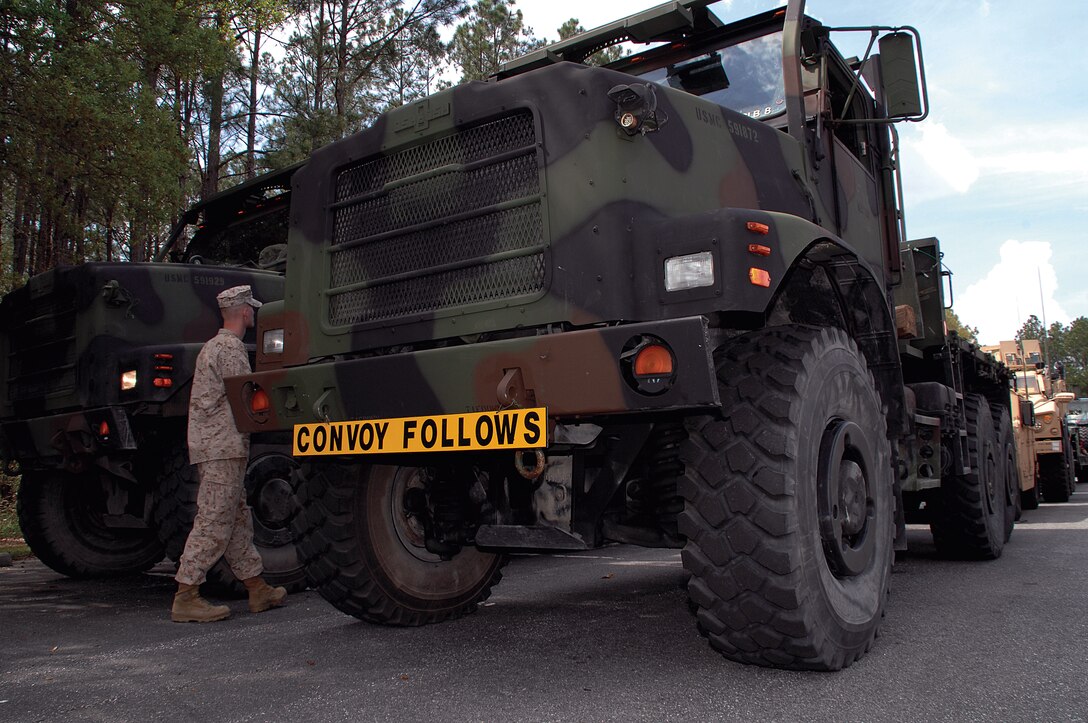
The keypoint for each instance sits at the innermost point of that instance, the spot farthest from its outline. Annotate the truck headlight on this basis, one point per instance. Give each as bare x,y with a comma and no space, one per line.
273,341
128,380
689,272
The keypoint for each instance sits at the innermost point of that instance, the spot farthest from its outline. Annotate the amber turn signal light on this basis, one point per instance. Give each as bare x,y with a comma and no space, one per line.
653,360
759,277
259,401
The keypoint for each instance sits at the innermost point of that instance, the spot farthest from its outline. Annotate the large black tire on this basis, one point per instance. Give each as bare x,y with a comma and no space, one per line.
789,503
365,555
62,517
1055,474
1007,467
969,518
270,489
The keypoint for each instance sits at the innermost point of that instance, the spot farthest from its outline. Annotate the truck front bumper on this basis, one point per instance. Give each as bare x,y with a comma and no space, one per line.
575,375
59,440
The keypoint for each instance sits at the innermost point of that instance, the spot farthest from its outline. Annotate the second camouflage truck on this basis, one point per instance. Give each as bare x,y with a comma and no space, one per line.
654,303
96,362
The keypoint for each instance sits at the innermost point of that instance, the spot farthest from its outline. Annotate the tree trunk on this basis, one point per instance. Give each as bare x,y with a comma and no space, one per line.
215,126
340,90
251,130
319,72
20,232
109,233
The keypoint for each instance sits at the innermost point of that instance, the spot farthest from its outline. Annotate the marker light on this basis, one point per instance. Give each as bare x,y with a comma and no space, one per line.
757,227
759,249
759,277
128,380
273,341
689,272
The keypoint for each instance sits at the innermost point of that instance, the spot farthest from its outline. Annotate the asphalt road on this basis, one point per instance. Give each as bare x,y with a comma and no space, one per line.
589,637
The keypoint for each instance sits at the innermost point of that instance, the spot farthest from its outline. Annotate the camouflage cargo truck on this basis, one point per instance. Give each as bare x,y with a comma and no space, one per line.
94,389
667,302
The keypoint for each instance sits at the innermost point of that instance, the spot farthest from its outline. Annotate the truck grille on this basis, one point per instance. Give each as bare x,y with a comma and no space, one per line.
452,222
42,350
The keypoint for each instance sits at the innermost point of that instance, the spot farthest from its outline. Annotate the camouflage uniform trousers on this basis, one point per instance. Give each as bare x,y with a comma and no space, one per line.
223,526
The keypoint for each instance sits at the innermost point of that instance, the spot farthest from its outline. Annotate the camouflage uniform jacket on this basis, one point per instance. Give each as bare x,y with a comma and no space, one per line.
212,432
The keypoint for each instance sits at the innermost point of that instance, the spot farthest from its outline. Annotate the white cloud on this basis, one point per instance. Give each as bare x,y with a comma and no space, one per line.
984,8
1000,303
947,157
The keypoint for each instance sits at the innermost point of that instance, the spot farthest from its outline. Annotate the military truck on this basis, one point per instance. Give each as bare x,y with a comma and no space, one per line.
1076,419
1048,438
668,302
97,361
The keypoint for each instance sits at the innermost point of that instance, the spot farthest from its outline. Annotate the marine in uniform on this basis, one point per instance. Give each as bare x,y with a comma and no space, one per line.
223,526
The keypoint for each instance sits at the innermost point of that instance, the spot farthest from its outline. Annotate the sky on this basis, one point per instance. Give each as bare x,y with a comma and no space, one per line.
999,170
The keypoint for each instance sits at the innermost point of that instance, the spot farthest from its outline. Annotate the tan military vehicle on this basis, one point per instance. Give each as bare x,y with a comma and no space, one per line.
1043,439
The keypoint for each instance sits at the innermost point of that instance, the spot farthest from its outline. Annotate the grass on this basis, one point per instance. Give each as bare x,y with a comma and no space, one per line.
11,537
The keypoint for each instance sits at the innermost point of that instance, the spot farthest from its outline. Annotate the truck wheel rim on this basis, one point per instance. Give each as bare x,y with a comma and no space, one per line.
845,501
408,527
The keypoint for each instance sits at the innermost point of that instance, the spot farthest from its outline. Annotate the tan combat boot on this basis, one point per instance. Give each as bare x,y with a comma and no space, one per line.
263,596
189,607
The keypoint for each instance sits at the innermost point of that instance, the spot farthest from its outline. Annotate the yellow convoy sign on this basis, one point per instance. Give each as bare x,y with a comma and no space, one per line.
507,429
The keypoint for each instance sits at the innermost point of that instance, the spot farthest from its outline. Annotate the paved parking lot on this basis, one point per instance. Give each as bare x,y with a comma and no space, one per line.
598,636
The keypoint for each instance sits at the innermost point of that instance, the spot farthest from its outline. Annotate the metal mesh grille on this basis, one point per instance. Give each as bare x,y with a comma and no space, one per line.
468,146
42,351
455,242
448,223
512,277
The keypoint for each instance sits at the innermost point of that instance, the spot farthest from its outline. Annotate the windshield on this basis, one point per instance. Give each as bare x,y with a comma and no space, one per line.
1028,383
746,77
244,241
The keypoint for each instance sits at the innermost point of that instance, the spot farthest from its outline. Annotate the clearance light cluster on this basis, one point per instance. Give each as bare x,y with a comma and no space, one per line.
756,275
163,368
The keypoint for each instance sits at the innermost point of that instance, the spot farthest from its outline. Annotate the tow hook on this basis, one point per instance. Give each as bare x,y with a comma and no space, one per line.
540,463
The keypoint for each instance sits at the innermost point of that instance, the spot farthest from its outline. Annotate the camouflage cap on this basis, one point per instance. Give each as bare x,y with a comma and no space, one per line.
237,296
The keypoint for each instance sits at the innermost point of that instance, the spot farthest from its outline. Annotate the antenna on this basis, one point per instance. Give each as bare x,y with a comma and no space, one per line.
1023,354
1046,331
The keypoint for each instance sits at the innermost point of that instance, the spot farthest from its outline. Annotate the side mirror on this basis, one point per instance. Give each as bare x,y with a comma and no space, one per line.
1064,397
902,89
1027,413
